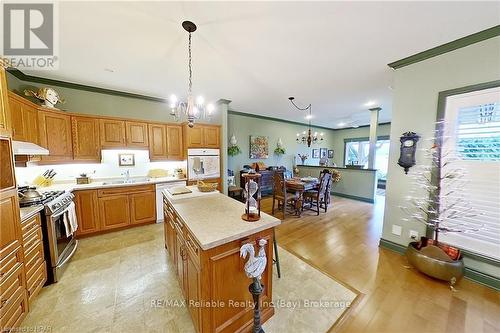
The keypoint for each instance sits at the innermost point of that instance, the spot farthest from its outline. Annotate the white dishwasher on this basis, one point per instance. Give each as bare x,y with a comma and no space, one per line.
159,197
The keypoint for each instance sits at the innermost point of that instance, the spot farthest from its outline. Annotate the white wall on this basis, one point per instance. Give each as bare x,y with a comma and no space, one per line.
108,168
415,108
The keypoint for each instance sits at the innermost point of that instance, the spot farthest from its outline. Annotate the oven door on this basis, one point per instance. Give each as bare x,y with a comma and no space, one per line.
62,246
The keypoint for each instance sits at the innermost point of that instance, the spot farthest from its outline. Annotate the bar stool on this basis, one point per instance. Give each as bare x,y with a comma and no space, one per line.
277,260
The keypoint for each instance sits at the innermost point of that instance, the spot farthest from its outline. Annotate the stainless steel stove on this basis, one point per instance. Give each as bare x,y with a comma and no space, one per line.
59,246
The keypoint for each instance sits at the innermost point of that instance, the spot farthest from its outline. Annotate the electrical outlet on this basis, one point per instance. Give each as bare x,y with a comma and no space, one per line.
413,234
396,229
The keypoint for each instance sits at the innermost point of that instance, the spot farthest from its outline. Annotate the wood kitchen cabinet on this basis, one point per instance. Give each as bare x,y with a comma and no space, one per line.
211,137
85,139
112,133
142,207
55,135
24,119
136,134
5,124
87,212
13,287
157,142
114,211
114,207
34,258
202,136
174,139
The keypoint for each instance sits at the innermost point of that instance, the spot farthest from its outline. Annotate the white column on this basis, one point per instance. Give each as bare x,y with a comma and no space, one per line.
372,151
222,108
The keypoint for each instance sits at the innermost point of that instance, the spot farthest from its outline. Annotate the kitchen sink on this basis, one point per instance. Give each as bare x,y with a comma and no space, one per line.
125,181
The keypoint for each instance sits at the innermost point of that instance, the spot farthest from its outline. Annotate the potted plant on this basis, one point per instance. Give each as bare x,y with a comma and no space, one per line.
233,148
441,211
279,148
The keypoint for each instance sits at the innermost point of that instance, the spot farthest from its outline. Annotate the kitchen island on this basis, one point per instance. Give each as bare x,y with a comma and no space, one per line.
203,236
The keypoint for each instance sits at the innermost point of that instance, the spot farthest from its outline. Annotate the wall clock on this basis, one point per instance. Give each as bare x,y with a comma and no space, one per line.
408,150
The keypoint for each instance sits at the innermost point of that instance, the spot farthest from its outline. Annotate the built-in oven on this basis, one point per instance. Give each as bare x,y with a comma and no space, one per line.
60,245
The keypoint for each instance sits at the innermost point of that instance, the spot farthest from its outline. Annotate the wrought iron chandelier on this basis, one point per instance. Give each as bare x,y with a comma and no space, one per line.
191,108
307,137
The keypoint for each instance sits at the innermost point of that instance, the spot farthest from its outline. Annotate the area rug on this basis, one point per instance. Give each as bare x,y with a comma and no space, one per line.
306,300
112,282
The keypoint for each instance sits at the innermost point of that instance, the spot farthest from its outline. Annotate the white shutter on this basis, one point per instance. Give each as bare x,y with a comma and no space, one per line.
472,131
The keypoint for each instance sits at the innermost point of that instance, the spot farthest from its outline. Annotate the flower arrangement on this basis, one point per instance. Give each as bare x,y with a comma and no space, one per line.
336,177
303,158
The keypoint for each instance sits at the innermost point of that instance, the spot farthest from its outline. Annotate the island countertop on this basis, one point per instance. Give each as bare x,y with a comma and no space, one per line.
216,219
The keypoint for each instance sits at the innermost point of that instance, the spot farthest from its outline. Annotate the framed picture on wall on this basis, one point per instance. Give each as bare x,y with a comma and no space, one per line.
323,152
259,146
126,159
315,153
330,153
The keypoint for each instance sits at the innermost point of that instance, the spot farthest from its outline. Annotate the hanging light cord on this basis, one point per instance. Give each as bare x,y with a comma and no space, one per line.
190,67
309,107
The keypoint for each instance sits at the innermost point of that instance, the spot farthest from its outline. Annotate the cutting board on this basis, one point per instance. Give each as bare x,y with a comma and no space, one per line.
179,190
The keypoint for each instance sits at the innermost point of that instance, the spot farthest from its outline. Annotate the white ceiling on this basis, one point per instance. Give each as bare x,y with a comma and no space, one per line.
331,54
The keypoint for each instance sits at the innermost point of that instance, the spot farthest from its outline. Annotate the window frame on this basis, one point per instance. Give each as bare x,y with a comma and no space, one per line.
439,128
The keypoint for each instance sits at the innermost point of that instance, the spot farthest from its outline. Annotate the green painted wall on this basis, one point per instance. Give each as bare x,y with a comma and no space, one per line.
244,126
415,108
87,102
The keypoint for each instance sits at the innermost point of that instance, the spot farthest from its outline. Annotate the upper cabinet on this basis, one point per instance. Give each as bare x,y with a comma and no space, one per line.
136,134
4,105
174,139
24,119
202,136
55,135
112,133
157,142
86,142
211,137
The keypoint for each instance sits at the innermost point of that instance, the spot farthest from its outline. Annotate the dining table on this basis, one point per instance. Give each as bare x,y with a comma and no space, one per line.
299,186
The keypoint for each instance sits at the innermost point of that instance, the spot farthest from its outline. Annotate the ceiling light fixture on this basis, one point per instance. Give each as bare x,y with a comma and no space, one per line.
370,103
191,108
307,137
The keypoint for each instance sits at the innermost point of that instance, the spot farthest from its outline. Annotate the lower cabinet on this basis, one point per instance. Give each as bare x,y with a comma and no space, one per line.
114,211
87,212
107,209
142,207
34,259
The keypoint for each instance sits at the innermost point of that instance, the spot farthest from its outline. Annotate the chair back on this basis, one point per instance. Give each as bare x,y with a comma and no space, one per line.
323,172
324,182
279,183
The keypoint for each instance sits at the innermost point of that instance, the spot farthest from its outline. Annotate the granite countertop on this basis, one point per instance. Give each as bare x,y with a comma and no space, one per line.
107,183
216,219
27,212
334,167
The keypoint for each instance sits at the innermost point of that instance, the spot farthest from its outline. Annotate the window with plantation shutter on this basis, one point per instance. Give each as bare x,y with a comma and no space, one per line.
472,138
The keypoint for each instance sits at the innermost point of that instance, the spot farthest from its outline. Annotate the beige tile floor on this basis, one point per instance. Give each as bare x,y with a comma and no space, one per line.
113,279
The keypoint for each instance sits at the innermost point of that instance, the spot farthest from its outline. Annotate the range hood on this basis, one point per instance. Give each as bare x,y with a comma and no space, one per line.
28,148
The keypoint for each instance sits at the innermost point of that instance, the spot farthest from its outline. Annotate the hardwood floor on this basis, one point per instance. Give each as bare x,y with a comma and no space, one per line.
343,243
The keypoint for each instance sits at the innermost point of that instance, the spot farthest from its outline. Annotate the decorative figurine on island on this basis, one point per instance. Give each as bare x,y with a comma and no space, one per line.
251,191
254,268
49,96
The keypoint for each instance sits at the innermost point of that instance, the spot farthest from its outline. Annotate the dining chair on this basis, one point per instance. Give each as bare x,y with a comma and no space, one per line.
319,197
280,193
329,189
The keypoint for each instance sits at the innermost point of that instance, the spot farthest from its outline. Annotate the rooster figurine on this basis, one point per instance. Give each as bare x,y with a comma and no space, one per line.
254,268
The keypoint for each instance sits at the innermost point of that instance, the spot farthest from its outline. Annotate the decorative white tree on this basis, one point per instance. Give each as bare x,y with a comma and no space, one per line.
444,207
